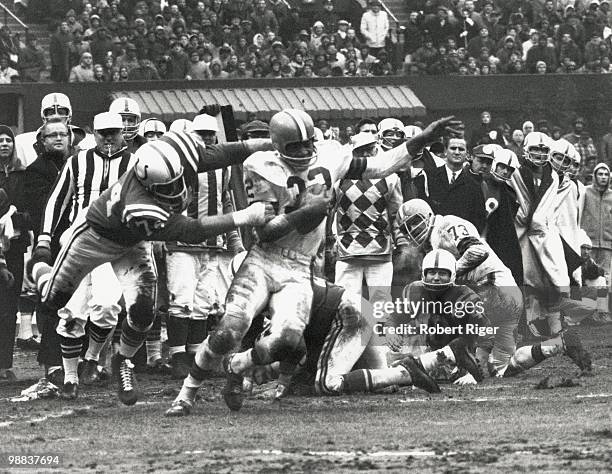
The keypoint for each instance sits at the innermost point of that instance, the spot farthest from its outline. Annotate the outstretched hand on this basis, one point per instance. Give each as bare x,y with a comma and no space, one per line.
444,126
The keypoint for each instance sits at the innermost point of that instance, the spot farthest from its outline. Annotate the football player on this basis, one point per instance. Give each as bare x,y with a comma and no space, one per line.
296,179
83,178
130,113
53,107
391,133
479,266
339,334
545,274
144,205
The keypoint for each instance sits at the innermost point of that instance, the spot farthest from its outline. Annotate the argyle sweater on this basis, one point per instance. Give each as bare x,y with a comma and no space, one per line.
365,211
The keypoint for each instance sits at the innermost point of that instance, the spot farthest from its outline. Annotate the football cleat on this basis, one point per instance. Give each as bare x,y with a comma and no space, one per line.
70,391
29,344
464,359
123,373
420,377
179,408
232,391
90,373
159,367
573,348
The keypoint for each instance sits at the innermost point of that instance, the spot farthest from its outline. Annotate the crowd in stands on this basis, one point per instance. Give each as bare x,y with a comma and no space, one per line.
121,40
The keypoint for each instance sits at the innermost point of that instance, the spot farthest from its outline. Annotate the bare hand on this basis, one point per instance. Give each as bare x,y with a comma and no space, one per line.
444,126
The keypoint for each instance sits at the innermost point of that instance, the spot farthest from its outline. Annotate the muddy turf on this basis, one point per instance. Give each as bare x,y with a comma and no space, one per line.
505,425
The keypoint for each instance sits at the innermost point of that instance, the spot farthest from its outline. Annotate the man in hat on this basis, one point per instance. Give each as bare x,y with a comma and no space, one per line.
375,27
263,18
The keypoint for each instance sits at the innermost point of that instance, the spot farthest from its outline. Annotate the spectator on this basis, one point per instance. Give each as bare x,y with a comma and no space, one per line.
59,49
197,69
527,128
94,25
242,72
451,191
541,67
534,38
178,62
216,70
605,147
483,130
14,242
8,45
77,48
596,216
31,61
7,73
83,72
476,44
568,49
413,36
574,136
541,52
328,17
129,59
73,24
375,27
516,145
586,147
100,45
99,75
439,27
264,19
145,71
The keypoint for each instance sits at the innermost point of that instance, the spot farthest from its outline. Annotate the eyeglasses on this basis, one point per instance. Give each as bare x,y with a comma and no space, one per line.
56,135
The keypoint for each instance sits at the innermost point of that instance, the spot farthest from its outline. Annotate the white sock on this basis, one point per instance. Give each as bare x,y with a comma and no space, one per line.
153,351
71,370
175,350
193,348
25,326
433,359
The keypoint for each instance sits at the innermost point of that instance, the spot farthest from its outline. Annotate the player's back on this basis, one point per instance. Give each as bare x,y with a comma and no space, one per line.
456,235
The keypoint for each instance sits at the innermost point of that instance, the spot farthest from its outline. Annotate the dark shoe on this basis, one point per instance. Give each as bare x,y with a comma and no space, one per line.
56,377
89,373
179,408
232,392
180,365
70,391
29,344
574,349
159,368
465,359
420,377
123,373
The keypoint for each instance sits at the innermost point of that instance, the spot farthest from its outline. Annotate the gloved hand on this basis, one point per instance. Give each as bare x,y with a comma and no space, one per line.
465,380
6,277
41,253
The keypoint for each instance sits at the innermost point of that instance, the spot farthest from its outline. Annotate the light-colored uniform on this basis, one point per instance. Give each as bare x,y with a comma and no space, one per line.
492,280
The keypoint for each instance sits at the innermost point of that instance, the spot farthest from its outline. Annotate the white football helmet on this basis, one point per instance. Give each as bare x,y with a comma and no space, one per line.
159,169
292,126
56,106
181,125
415,220
130,112
391,133
364,144
439,259
536,148
155,128
574,170
509,162
561,152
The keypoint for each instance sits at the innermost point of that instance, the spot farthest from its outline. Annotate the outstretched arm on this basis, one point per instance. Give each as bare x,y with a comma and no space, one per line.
303,220
400,157
233,153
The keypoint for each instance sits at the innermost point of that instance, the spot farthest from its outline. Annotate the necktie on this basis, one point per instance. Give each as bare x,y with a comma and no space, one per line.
454,178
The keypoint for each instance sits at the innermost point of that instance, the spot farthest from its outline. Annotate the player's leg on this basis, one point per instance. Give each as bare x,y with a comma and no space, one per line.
246,297
136,272
183,273
71,330
349,275
153,342
104,311
378,277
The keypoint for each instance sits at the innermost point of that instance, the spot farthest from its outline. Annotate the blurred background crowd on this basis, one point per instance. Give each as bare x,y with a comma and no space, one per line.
122,40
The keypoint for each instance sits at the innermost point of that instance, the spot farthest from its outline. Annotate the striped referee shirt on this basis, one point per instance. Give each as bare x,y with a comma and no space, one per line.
82,179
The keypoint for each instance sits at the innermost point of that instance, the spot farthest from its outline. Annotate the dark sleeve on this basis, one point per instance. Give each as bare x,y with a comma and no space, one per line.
222,155
479,212
191,231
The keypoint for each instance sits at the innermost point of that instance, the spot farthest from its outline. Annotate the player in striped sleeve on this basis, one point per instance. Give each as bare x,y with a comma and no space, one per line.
144,205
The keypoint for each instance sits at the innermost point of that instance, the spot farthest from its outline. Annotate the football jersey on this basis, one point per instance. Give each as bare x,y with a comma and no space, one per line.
269,178
126,212
452,232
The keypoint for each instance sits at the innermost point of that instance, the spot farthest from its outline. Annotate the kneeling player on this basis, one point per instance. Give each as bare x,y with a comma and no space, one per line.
478,265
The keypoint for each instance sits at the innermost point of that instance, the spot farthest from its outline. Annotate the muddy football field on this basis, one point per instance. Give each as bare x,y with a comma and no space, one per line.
546,420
